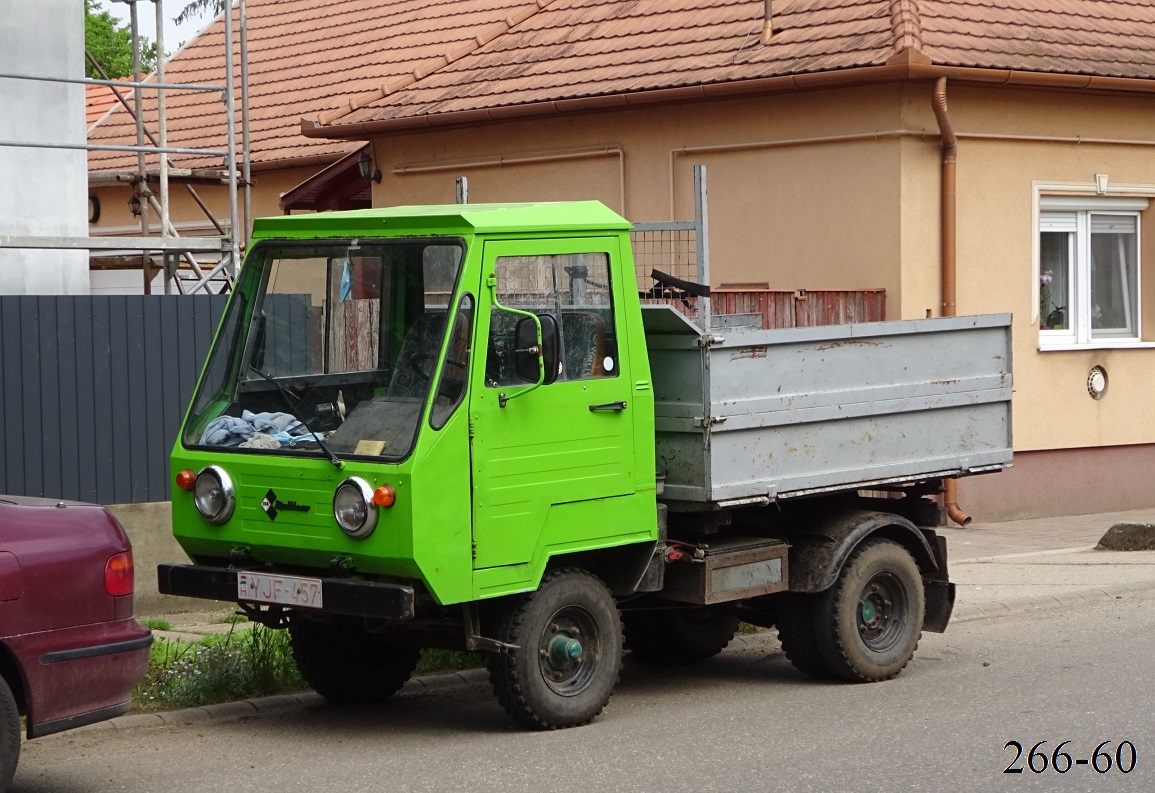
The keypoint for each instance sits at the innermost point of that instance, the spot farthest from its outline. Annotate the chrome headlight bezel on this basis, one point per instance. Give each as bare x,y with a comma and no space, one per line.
214,474
356,488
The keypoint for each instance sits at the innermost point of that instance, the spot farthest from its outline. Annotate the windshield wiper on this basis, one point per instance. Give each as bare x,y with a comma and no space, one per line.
291,402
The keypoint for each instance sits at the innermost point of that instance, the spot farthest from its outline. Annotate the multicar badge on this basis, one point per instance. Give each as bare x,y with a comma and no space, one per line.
272,506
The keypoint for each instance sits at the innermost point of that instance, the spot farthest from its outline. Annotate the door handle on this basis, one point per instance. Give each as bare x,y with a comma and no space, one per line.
615,406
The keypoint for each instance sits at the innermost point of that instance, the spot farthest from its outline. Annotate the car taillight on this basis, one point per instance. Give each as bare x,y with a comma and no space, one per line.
118,574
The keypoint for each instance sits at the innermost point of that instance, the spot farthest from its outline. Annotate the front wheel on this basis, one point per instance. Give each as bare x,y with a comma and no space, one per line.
869,623
568,637
349,665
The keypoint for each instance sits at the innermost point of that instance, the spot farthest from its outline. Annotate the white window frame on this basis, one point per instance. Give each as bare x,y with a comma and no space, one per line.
1072,213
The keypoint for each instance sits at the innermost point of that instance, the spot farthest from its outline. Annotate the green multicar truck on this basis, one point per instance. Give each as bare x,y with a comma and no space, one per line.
458,426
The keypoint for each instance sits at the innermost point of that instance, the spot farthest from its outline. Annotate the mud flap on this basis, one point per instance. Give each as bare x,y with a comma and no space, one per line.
939,605
938,591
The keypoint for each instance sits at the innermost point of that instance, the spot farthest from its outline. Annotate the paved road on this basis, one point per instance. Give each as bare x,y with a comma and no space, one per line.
744,721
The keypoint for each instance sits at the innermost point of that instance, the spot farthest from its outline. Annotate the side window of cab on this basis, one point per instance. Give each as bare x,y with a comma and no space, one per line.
575,289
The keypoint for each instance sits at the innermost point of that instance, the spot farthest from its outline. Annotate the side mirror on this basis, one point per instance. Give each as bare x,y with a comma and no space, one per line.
529,358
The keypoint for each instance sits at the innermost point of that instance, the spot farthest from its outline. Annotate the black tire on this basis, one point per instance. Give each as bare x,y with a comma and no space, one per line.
9,736
542,685
349,665
870,621
798,634
675,636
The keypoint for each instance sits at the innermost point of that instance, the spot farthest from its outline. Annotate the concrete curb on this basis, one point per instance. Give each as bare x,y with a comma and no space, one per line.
1013,557
969,612
468,678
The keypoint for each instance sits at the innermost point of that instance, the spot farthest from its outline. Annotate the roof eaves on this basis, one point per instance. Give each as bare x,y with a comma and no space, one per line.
306,161
909,65
779,84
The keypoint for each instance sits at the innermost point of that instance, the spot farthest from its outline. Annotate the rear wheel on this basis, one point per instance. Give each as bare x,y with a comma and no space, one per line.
9,735
798,634
870,621
349,665
674,636
568,637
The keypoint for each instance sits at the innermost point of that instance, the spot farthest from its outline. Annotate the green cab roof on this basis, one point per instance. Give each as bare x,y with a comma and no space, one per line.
462,219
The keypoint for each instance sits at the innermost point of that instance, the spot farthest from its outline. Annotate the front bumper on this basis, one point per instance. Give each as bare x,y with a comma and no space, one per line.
343,596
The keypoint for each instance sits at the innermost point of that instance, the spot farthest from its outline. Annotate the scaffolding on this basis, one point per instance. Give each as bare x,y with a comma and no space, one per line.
184,272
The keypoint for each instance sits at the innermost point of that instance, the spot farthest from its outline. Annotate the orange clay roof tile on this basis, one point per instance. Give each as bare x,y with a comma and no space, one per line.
98,100
343,63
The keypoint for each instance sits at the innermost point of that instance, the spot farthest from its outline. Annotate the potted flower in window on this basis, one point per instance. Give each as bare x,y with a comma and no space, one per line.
1051,316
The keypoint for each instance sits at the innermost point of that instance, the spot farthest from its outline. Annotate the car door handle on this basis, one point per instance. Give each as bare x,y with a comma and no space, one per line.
615,406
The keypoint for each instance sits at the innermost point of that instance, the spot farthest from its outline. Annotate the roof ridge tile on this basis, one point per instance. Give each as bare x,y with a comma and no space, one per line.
906,20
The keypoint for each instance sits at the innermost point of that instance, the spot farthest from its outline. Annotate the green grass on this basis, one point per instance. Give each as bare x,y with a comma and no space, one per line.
241,664
154,624
220,668
433,660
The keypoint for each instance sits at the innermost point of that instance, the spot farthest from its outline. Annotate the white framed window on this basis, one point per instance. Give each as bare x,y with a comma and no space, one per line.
1089,275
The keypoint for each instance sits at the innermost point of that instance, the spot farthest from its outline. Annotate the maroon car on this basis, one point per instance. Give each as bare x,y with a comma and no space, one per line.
70,650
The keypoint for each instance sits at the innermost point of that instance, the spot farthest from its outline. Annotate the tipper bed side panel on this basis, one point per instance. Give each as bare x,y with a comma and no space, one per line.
778,413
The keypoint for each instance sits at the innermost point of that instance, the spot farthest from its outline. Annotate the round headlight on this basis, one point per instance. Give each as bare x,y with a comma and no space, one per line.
354,509
213,494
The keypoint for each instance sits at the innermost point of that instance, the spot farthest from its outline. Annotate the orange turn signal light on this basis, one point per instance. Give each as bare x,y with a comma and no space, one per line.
384,496
186,479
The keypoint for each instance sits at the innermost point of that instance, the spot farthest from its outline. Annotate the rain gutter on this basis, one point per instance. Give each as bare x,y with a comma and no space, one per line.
865,75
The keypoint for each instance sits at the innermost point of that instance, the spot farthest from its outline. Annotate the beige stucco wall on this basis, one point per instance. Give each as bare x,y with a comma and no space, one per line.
802,215
996,229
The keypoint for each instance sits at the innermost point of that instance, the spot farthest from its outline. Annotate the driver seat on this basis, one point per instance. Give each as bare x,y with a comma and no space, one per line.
423,339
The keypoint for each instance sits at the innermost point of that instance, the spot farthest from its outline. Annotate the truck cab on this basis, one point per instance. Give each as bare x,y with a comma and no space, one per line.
384,363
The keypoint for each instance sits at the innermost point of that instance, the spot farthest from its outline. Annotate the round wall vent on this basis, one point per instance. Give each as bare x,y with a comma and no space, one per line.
1096,381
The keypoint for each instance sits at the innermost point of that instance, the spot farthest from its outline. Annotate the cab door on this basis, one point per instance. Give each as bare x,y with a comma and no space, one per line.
553,445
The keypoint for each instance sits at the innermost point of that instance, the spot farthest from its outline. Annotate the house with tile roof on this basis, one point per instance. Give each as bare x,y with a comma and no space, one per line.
967,156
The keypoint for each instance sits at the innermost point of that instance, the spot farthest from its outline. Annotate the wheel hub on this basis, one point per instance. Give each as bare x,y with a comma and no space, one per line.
881,606
568,651
564,651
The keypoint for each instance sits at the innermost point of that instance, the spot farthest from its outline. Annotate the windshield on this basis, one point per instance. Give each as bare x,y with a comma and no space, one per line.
328,347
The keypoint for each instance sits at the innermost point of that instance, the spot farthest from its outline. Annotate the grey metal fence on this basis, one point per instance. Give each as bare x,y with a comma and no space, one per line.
92,391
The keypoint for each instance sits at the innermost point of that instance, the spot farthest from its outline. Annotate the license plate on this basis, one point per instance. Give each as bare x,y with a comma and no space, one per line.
285,590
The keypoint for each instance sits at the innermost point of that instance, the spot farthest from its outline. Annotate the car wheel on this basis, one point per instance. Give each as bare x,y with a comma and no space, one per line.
9,735
349,665
568,652
870,621
672,636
